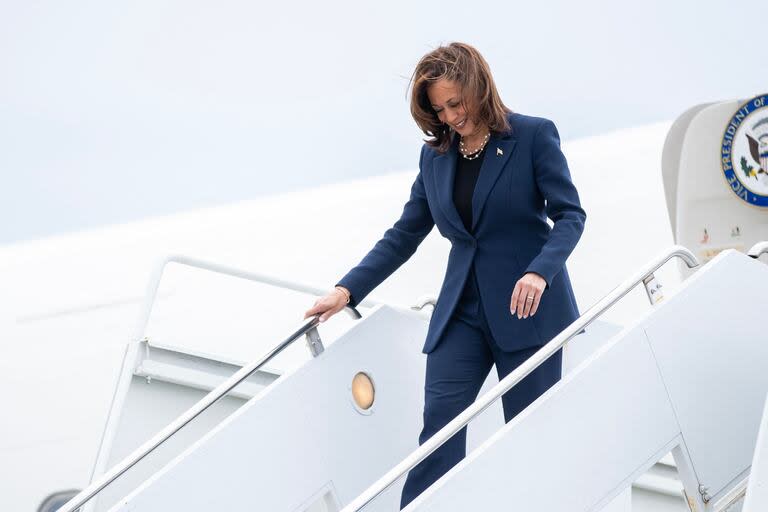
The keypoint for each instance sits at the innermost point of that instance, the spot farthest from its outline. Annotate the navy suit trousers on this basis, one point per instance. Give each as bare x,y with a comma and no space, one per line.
456,370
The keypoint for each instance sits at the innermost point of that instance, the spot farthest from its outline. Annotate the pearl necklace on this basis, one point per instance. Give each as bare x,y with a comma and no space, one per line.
471,155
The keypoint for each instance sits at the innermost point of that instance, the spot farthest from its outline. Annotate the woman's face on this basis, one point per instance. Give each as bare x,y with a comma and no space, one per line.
445,97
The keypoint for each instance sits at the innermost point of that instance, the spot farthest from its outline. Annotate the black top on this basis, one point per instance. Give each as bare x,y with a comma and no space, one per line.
464,183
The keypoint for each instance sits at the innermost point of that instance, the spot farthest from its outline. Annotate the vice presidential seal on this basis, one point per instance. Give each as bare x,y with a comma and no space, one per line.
744,152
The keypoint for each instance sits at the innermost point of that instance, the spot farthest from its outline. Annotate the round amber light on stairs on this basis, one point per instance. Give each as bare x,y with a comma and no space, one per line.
362,391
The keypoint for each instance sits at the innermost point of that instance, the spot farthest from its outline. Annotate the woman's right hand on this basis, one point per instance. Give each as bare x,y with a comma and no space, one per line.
327,306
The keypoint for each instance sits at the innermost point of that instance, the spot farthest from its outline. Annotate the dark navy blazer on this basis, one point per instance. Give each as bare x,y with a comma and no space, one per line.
523,180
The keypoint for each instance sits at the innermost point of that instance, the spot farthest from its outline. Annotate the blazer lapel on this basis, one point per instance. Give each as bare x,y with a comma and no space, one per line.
444,173
497,153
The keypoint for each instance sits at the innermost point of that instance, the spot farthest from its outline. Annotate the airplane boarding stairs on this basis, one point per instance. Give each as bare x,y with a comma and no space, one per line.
688,377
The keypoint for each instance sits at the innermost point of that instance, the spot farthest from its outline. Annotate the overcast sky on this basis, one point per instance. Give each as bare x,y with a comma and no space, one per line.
116,111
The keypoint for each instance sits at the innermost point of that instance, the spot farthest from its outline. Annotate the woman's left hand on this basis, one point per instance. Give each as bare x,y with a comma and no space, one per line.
526,295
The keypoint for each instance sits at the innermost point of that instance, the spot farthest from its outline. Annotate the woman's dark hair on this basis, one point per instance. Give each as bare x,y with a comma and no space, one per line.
462,64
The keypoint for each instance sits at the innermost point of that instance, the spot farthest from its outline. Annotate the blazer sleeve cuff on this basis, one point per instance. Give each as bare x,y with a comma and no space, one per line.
540,270
352,300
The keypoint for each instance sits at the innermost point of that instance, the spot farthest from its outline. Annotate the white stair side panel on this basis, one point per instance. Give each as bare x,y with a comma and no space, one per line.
661,483
303,433
757,489
147,409
581,347
573,447
710,343
164,383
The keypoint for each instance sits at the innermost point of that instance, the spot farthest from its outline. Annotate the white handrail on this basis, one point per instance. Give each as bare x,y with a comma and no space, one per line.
157,275
99,484
758,249
482,403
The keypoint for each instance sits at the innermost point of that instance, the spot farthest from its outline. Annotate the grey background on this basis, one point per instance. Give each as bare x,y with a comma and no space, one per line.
111,112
